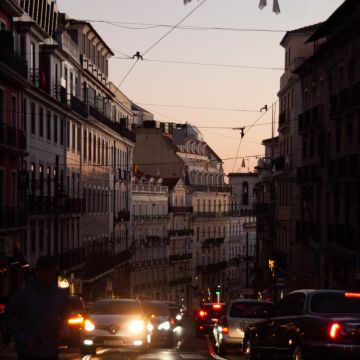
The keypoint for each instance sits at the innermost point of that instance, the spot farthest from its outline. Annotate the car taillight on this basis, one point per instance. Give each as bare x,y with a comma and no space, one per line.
352,295
172,322
335,330
217,306
202,313
224,330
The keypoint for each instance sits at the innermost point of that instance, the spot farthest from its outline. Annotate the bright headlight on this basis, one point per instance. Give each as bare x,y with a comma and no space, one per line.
89,326
164,326
136,326
178,317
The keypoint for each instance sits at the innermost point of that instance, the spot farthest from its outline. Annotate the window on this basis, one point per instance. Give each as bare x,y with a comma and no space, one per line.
24,114
2,106
245,193
73,135
290,305
68,134
41,121
14,111
79,139
55,128
94,149
85,143
33,120
62,125
90,144
48,125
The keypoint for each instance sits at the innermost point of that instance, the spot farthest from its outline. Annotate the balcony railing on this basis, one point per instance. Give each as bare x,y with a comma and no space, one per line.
181,232
122,216
49,206
213,242
9,56
210,188
180,209
12,137
174,258
12,217
79,107
182,281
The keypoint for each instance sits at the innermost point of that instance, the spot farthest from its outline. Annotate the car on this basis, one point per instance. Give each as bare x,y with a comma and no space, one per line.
206,316
76,313
160,319
308,324
116,323
176,313
229,331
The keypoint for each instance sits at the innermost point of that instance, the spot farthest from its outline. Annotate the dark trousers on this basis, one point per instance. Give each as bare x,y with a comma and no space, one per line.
28,357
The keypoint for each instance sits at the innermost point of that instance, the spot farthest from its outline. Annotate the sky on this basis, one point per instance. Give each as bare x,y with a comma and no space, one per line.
207,96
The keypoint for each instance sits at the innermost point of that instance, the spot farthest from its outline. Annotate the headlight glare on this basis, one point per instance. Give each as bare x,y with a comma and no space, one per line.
136,326
164,326
89,326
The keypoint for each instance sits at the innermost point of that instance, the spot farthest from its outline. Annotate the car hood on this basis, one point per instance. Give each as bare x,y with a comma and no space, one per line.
112,319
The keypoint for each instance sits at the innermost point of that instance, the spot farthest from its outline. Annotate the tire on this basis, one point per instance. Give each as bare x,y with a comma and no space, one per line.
88,350
297,353
249,350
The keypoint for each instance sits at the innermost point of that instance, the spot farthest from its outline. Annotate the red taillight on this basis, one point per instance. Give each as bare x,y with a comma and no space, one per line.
201,327
217,306
202,313
352,295
224,330
172,322
335,330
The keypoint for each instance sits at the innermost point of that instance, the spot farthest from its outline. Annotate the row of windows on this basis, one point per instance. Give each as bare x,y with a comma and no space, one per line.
96,201
211,206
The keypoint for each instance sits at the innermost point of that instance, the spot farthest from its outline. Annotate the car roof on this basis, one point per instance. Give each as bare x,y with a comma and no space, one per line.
318,291
251,300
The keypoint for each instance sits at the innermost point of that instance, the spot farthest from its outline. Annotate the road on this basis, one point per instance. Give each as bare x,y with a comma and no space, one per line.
186,347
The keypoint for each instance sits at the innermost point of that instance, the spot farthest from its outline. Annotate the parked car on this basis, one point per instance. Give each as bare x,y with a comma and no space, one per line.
318,324
76,310
229,331
116,323
206,316
160,319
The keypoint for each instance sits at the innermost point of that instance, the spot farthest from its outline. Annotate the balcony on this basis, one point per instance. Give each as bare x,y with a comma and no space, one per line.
207,243
12,217
182,281
311,119
13,139
180,209
211,268
284,120
122,216
9,56
181,232
79,107
175,258
209,188
45,205
202,214
279,163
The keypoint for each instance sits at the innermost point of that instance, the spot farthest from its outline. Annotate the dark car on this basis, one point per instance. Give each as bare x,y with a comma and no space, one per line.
206,316
162,324
176,313
306,324
76,311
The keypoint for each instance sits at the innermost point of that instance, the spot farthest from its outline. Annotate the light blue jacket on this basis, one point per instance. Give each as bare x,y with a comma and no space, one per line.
37,312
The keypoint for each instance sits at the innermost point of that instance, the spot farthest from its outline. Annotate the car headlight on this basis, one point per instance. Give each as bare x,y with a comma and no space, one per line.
178,317
164,326
136,326
88,325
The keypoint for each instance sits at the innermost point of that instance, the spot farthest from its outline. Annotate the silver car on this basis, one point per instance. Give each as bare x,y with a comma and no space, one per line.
229,331
119,323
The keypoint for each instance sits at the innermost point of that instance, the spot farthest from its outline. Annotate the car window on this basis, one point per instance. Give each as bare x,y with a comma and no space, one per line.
290,305
116,308
158,309
334,303
249,309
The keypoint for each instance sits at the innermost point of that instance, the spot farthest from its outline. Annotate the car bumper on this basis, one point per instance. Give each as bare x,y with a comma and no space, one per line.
113,341
232,341
332,351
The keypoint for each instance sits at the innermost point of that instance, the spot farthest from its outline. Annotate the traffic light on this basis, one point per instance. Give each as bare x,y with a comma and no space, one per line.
272,266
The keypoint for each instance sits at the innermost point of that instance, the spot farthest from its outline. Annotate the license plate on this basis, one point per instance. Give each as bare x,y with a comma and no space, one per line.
112,342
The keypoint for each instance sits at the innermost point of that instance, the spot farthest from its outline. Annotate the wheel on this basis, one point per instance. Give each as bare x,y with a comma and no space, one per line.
88,350
297,353
249,350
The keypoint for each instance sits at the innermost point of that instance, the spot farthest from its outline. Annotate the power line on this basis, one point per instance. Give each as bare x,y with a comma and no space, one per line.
146,26
207,64
200,107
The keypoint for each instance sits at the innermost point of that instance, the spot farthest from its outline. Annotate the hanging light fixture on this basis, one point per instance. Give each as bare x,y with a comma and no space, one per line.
276,6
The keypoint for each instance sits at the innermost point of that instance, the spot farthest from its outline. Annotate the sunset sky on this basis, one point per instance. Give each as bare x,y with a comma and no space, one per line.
220,91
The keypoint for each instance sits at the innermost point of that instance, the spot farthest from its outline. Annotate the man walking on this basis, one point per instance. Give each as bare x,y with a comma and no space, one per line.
36,314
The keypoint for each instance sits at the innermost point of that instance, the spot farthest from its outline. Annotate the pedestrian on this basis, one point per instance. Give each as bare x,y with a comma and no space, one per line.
36,314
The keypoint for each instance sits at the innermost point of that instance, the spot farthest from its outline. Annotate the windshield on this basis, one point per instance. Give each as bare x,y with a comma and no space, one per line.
249,309
334,303
159,309
116,308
